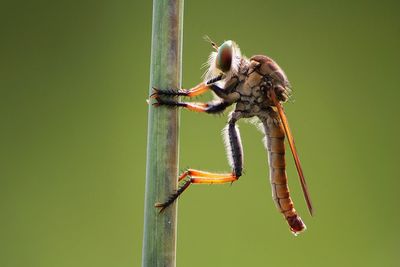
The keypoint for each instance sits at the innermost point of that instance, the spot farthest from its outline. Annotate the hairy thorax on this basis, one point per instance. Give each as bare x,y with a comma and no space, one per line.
253,90
251,85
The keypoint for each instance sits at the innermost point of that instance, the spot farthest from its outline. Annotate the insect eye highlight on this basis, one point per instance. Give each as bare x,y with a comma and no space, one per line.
224,57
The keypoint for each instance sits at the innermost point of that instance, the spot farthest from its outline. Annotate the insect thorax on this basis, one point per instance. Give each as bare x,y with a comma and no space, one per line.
253,89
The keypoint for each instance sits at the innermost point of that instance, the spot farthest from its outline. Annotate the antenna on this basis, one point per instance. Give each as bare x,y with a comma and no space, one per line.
213,44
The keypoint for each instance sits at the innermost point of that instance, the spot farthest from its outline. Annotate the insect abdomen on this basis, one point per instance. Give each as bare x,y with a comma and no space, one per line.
275,137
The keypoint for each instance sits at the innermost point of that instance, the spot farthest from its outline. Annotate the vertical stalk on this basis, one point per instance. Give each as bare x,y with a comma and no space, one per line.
159,239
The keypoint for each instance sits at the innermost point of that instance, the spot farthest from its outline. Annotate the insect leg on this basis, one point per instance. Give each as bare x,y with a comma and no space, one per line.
234,144
227,92
197,177
210,107
224,93
195,91
235,156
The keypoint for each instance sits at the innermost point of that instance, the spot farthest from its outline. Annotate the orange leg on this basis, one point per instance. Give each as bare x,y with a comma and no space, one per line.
195,91
197,177
197,107
235,153
199,89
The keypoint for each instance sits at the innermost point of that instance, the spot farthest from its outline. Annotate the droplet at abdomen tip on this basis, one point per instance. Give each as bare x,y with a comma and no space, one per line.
296,224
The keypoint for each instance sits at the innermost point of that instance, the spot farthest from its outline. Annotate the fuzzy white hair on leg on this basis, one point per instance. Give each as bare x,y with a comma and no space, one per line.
239,142
227,143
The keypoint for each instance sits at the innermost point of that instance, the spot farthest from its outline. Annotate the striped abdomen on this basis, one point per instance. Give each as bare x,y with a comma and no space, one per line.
275,137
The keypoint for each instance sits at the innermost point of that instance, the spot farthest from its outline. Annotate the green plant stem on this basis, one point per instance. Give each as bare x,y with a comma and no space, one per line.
159,239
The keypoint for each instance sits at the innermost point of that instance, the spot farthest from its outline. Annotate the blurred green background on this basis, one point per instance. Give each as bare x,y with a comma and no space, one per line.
74,76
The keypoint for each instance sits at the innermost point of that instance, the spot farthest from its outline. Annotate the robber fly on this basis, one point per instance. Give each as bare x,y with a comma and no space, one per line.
257,86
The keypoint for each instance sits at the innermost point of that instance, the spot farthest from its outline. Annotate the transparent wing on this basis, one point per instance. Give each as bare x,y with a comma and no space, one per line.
294,150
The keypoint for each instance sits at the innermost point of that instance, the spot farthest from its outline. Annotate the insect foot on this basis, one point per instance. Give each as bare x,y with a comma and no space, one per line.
168,92
155,93
171,199
166,103
161,206
156,104
158,101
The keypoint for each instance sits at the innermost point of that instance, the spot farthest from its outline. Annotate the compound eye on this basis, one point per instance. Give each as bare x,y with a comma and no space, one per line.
224,57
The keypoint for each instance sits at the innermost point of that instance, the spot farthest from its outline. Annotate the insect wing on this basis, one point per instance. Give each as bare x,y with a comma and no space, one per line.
293,149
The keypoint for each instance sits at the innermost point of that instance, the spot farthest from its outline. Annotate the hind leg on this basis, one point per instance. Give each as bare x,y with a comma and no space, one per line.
235,155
